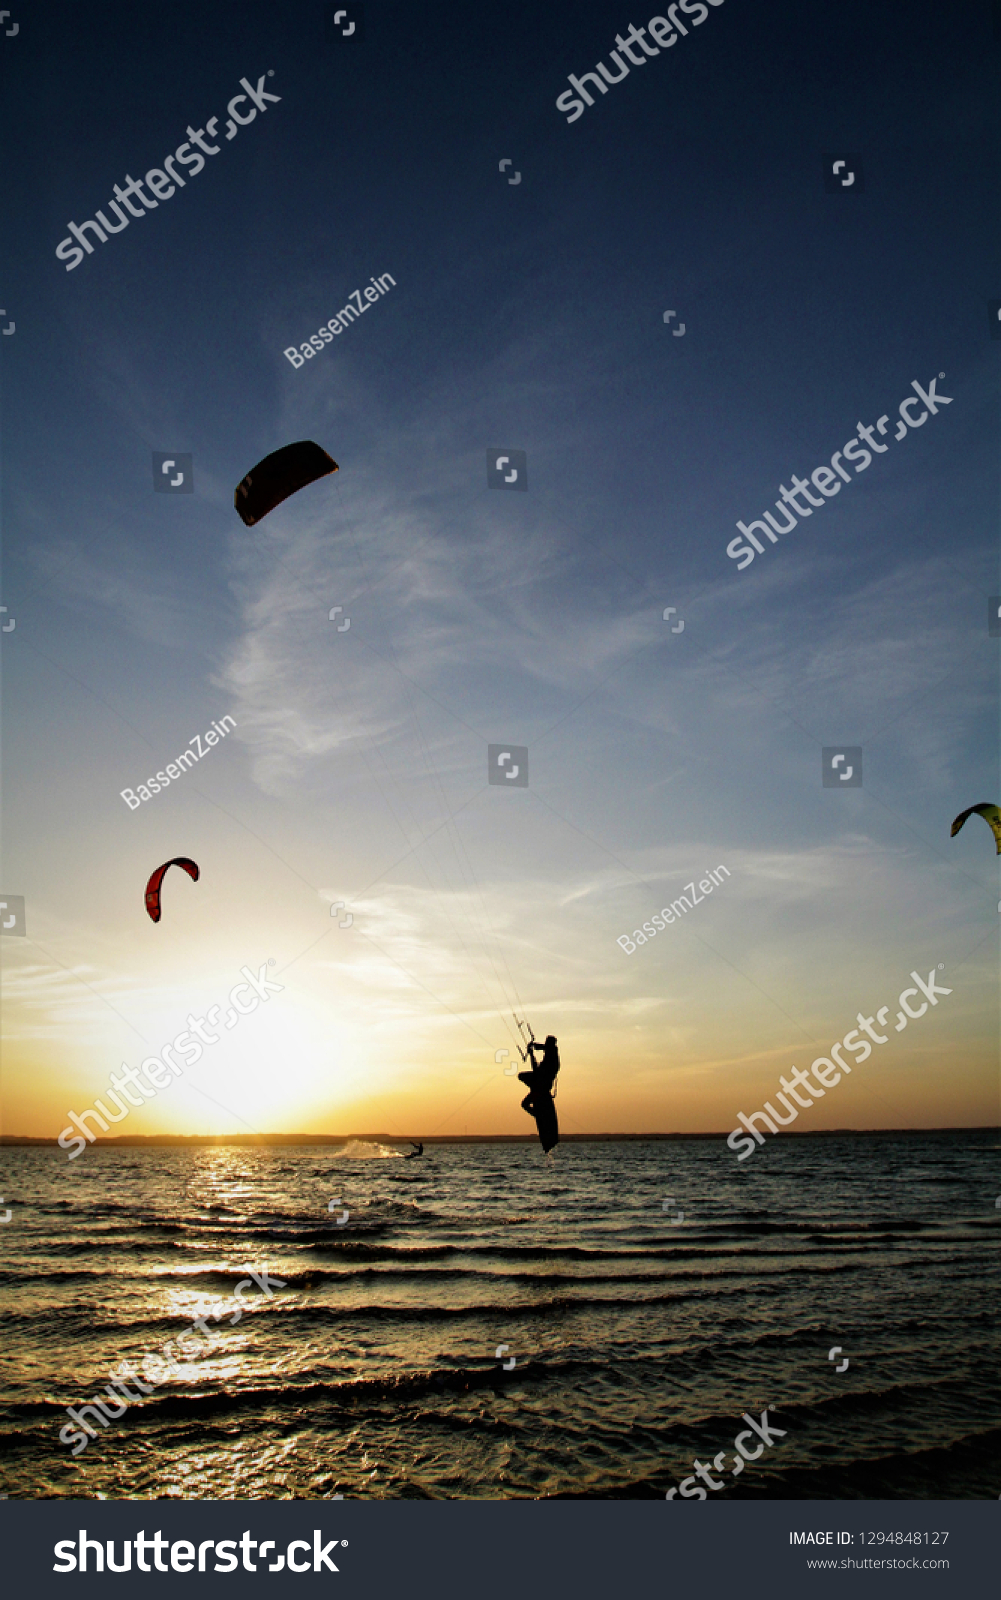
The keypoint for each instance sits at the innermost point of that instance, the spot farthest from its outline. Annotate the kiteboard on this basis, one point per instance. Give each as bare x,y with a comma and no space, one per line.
545,1121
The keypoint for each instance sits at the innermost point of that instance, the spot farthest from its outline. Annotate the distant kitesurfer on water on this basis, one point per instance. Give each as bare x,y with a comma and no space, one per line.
417,1150
539,1101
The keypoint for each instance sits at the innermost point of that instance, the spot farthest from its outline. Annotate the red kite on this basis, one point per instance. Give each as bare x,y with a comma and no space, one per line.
153,887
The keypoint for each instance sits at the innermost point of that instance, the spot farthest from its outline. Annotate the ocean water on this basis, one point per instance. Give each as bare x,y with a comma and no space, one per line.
639,1340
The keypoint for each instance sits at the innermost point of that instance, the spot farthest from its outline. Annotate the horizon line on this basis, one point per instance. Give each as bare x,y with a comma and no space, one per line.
121,1141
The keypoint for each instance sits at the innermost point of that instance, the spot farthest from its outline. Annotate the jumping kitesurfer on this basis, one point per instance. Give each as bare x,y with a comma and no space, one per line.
540,1081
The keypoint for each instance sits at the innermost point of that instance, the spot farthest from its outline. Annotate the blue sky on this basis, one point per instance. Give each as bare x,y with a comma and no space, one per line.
528,316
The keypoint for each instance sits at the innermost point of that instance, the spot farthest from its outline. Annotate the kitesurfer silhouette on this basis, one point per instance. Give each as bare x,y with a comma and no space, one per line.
417,1150
539,1102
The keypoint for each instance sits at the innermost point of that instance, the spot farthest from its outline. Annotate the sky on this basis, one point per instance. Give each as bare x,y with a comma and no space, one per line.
525,316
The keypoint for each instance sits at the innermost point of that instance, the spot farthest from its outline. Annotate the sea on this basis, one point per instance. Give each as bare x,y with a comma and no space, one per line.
486,1322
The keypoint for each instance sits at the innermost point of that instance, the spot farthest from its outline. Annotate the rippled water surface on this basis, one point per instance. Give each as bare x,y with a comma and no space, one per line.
639,1339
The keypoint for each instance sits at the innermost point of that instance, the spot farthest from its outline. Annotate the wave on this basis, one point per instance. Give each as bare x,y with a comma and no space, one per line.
112,1224
78,1317
968,1465
545,1375
361,1150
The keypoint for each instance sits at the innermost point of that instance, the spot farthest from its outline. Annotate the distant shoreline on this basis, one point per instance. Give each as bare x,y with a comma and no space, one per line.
189,1140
